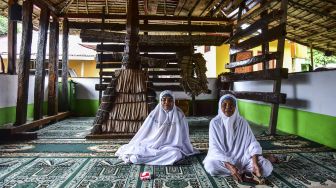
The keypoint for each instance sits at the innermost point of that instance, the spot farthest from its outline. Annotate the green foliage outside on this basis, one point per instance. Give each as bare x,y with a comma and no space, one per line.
320,60
3,26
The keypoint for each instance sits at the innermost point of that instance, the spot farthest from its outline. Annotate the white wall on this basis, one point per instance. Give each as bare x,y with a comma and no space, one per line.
8,90
309,91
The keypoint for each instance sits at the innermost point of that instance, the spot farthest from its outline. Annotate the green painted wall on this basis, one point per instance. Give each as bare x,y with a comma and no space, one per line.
7,114
317,127
85,107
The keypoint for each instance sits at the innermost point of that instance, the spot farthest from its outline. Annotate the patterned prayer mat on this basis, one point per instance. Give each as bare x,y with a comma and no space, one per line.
61,157
303,170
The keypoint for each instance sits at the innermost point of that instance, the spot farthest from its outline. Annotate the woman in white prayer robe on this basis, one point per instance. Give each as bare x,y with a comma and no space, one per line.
233,149
163,138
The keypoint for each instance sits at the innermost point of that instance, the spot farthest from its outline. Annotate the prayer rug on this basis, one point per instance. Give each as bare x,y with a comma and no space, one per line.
303,170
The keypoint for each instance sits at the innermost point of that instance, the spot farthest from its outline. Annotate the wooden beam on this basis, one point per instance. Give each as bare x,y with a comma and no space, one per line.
130,60
234,5
142,48
267,97
147,17
279,64
23,64
255,12
35,124
53,68
179,7
46,4
201,6
165,80
164,72
209,40
256,25
168,87
64,6
253,60
118,65
117,57
311,10
40,59
154,27
270,35
187,8
270,74
12,42
65,51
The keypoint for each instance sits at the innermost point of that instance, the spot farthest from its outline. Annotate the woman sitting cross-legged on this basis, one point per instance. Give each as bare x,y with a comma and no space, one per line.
233,149
163,138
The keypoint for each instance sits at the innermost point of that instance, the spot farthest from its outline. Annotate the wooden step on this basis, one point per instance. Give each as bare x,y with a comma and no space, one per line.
268,36
265,20
253,60
118,65
269,74
267,97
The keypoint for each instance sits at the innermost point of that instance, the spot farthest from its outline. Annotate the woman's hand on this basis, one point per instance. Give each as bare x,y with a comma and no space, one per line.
256,167
234,171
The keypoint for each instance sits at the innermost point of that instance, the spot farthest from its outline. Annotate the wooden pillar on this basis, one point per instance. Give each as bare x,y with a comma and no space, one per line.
311,55
65,50
130,59
279,63
53,68
12,42
265,46
101,53
40,59
23,65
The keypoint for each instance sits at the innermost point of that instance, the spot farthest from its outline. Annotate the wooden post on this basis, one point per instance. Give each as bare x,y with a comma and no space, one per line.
131,59
23,66
53,68
40,59
265,46
12,30
101,53
65,44
311,55
279,63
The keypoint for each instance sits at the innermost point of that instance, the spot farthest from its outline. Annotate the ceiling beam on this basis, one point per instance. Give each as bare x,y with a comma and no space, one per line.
154,27
310,9
147,17
64,5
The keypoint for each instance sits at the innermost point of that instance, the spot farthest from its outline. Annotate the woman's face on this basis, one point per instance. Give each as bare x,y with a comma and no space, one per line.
228,107
167,103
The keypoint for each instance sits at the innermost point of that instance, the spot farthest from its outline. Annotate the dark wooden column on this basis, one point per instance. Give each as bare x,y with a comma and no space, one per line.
65,43
40,59
12,40
265,46
23,65
53,68
131,55
279,64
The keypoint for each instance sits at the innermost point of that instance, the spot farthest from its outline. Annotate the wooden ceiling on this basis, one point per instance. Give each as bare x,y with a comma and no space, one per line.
309,22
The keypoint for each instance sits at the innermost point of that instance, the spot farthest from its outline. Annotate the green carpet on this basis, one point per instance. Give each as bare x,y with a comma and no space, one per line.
61,157
304,170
